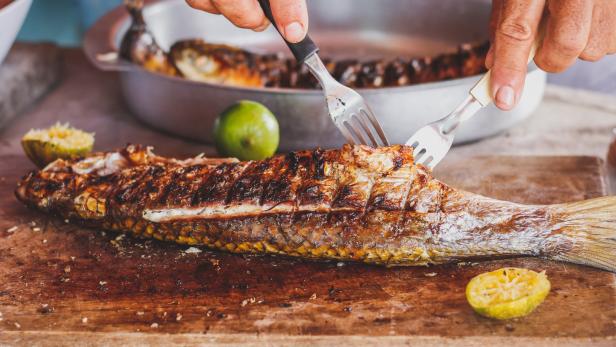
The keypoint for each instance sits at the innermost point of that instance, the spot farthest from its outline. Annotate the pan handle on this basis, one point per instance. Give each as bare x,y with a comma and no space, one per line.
300,50
98,43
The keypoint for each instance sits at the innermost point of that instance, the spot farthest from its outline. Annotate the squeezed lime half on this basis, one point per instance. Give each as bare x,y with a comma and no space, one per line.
507,293
60,141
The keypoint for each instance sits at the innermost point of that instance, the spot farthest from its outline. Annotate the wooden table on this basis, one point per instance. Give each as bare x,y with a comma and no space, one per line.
67,285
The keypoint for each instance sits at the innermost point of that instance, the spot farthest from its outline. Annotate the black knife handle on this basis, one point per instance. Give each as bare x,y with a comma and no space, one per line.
300,50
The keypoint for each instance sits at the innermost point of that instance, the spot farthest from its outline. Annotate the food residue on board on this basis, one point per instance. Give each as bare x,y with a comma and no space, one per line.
193,250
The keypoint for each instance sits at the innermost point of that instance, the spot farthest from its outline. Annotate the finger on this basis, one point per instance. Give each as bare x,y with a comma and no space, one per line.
203,5
243,13
598,41
610,23
513,39
567,31
291,17
494,20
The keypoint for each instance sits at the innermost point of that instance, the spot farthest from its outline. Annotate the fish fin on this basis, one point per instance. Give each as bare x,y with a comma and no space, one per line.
586,233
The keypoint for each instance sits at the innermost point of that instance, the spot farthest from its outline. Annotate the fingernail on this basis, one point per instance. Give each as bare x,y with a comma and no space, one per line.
505,97
262,27
294,31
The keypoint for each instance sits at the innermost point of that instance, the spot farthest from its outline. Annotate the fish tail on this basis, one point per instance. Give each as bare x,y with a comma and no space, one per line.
585,233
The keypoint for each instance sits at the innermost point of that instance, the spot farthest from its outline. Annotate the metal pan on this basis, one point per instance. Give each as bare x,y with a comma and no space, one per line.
342,28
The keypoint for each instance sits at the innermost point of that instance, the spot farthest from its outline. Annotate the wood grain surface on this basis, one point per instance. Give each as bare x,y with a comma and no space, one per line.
62,284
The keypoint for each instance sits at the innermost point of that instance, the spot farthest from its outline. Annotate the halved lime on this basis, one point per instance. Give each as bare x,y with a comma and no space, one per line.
507,293
60,141
247,130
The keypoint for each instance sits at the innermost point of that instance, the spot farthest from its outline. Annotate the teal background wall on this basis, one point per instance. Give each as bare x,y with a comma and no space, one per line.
63,21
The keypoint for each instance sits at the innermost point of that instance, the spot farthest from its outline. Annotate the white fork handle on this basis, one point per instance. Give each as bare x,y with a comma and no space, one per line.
482,91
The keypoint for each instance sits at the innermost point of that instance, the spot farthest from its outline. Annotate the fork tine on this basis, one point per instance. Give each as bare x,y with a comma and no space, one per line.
346,133
375,123
419,152
367,129
355,131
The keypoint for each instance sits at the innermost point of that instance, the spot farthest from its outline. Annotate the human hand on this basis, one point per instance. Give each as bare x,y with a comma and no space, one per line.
291,16
584,29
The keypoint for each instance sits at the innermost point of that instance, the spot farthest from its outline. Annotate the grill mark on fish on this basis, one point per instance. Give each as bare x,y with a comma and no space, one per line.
319,164
319,189
127,192
216,187
248,187
282,188
181,193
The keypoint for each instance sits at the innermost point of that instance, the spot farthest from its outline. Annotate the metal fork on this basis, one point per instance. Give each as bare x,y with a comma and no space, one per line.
432,142
346,107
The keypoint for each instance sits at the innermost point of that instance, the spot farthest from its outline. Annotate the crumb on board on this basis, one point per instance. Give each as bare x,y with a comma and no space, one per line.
12,229
73,258
45,309
67,268
340,264
178,317
192,250
102,283
17,325
36,230
430,274
140,313
313,296
154,325
84,320
249,301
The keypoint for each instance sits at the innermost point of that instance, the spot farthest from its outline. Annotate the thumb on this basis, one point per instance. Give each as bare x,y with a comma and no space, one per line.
291,18
513,39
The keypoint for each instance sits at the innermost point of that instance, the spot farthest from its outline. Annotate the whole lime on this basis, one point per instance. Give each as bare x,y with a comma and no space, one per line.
247,130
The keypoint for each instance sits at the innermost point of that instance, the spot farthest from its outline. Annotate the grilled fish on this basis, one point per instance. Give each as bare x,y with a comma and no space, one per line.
205,62
356,203
197,60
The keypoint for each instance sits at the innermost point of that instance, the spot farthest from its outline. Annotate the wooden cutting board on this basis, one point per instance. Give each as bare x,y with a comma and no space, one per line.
61,284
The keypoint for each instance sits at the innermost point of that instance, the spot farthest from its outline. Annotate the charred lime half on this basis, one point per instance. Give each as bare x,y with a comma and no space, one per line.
507,293
60,141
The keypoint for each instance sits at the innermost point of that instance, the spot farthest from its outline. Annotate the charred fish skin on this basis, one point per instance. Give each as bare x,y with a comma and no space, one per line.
202,61
356,203
139,45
